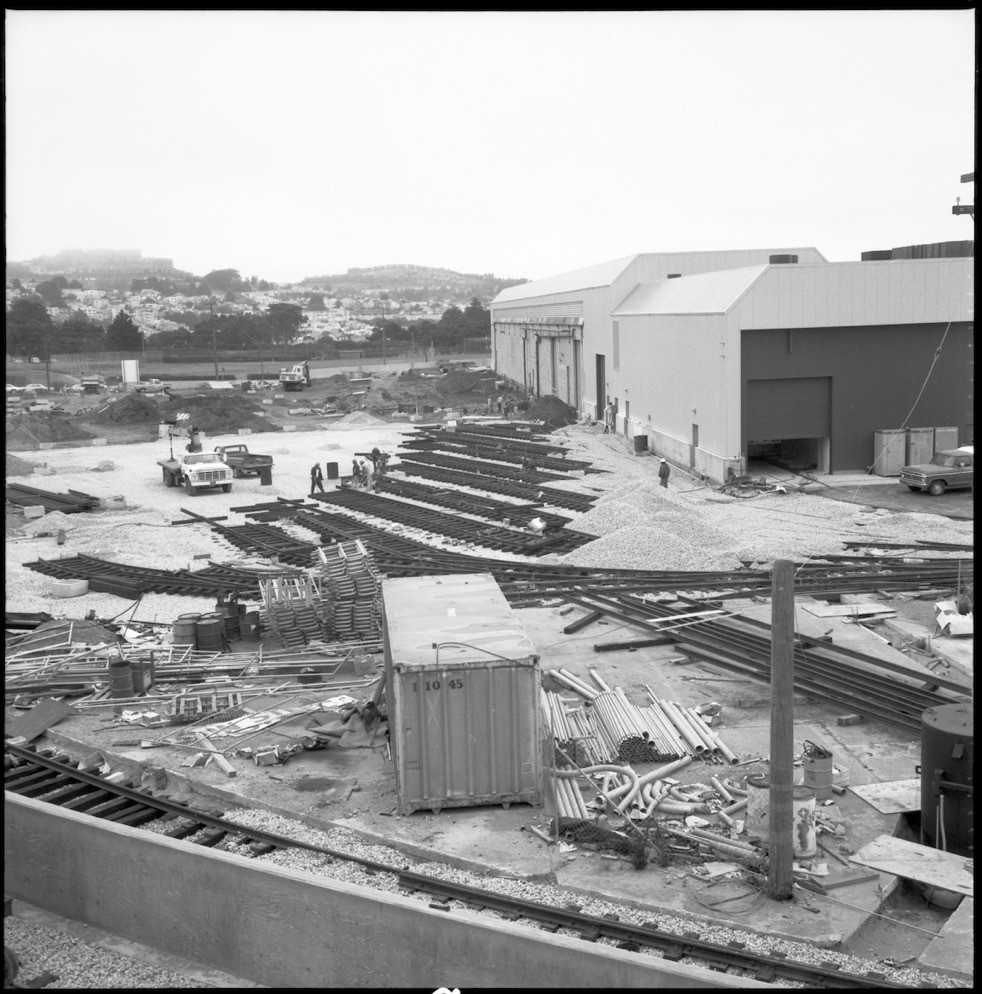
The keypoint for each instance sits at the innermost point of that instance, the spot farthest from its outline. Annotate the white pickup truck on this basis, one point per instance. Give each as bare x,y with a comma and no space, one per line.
197,471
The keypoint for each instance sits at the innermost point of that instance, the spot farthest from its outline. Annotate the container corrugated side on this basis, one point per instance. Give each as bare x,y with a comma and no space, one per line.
462,692
468,733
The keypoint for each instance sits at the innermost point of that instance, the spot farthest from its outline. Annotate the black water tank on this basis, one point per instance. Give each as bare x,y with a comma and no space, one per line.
947,761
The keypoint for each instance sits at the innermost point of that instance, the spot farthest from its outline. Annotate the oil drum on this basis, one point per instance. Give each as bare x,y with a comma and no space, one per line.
185,629
120,679
230,615
947,767
208,632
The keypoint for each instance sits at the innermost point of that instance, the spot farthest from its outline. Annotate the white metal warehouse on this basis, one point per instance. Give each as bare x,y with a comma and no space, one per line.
716,356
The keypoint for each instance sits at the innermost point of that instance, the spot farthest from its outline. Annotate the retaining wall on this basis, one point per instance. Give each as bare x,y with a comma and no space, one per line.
281,928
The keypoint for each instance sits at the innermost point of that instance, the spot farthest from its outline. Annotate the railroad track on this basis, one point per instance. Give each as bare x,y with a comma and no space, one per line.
499,452
453,526
495,469
496,484
132,581
55,779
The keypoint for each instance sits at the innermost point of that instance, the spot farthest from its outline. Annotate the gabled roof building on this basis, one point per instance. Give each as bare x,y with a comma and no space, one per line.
714,358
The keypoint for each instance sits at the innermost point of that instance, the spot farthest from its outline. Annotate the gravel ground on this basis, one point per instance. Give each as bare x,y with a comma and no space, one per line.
638,524
79,965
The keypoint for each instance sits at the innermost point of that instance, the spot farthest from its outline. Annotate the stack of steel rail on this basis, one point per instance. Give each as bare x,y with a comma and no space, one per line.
505,452
71,503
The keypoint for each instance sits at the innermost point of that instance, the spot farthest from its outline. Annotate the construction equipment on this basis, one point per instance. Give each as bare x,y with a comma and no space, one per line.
296,378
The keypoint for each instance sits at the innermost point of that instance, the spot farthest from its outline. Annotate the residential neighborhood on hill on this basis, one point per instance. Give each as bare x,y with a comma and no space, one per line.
97,285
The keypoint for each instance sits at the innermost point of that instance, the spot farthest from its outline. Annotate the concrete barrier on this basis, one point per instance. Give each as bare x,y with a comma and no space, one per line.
98,441
286,929
46,445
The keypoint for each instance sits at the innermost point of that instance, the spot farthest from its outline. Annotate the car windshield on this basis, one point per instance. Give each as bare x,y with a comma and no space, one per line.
203,457
943,459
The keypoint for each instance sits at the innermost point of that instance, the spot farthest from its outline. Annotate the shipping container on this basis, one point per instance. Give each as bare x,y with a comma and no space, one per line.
889,451
462,694
920,445
945,438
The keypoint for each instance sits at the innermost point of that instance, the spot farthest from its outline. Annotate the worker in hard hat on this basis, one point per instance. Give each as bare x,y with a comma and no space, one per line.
663,471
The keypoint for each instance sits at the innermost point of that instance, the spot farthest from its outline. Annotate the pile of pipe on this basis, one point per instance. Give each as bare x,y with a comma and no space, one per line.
613,729
619,791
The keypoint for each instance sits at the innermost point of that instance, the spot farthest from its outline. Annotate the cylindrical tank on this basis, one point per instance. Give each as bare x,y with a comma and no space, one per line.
230,616
208,632
947,763
120,679
184,629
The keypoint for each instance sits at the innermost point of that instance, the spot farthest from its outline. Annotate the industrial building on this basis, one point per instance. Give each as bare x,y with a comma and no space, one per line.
715,359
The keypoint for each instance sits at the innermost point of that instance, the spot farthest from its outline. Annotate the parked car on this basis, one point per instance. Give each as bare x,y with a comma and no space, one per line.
36,387
34,358
949,469
17,360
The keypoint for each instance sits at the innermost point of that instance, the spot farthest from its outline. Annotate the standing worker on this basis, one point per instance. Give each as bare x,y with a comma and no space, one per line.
368,473
355,473
316,479
501,404
663,471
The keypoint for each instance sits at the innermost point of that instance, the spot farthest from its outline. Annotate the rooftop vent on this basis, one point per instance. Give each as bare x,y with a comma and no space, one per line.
777,259
673,276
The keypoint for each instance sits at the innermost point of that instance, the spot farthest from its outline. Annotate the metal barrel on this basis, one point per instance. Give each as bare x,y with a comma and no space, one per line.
208,632
185,629
120,679
230,617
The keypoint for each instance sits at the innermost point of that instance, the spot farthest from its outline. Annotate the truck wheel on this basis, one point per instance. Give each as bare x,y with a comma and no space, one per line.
226,488
936,489
189,488
168,478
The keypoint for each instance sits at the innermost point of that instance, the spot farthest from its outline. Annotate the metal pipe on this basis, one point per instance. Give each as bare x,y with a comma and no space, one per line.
585,689
695,744
659,774
599,680
572,684
721,790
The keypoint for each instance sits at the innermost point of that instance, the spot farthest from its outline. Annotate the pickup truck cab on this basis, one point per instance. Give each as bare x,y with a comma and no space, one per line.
949,469
242,461
197,471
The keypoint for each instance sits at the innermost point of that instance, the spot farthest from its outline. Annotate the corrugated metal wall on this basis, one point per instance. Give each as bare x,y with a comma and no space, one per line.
876,374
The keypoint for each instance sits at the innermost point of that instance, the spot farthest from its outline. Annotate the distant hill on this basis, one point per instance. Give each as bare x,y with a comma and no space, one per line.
414,283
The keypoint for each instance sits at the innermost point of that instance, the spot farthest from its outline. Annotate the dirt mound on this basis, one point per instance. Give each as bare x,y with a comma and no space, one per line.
359,418
18,467
134,408
25,431
461,382
220,414
552,411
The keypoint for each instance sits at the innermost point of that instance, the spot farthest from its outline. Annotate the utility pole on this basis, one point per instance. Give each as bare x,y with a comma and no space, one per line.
214,345
780,879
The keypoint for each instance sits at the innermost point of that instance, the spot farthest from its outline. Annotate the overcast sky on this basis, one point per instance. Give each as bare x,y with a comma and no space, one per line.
293,144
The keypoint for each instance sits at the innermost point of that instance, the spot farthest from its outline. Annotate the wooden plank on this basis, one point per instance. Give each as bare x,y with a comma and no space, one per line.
223,764
892,797
40,718
847,610
913,861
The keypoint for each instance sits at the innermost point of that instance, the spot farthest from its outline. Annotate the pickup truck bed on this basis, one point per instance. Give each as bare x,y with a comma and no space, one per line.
243,462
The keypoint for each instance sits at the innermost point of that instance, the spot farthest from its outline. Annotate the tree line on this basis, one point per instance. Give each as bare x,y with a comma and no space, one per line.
31,331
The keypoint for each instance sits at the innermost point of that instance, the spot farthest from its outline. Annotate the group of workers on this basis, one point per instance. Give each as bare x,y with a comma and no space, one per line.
365,473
